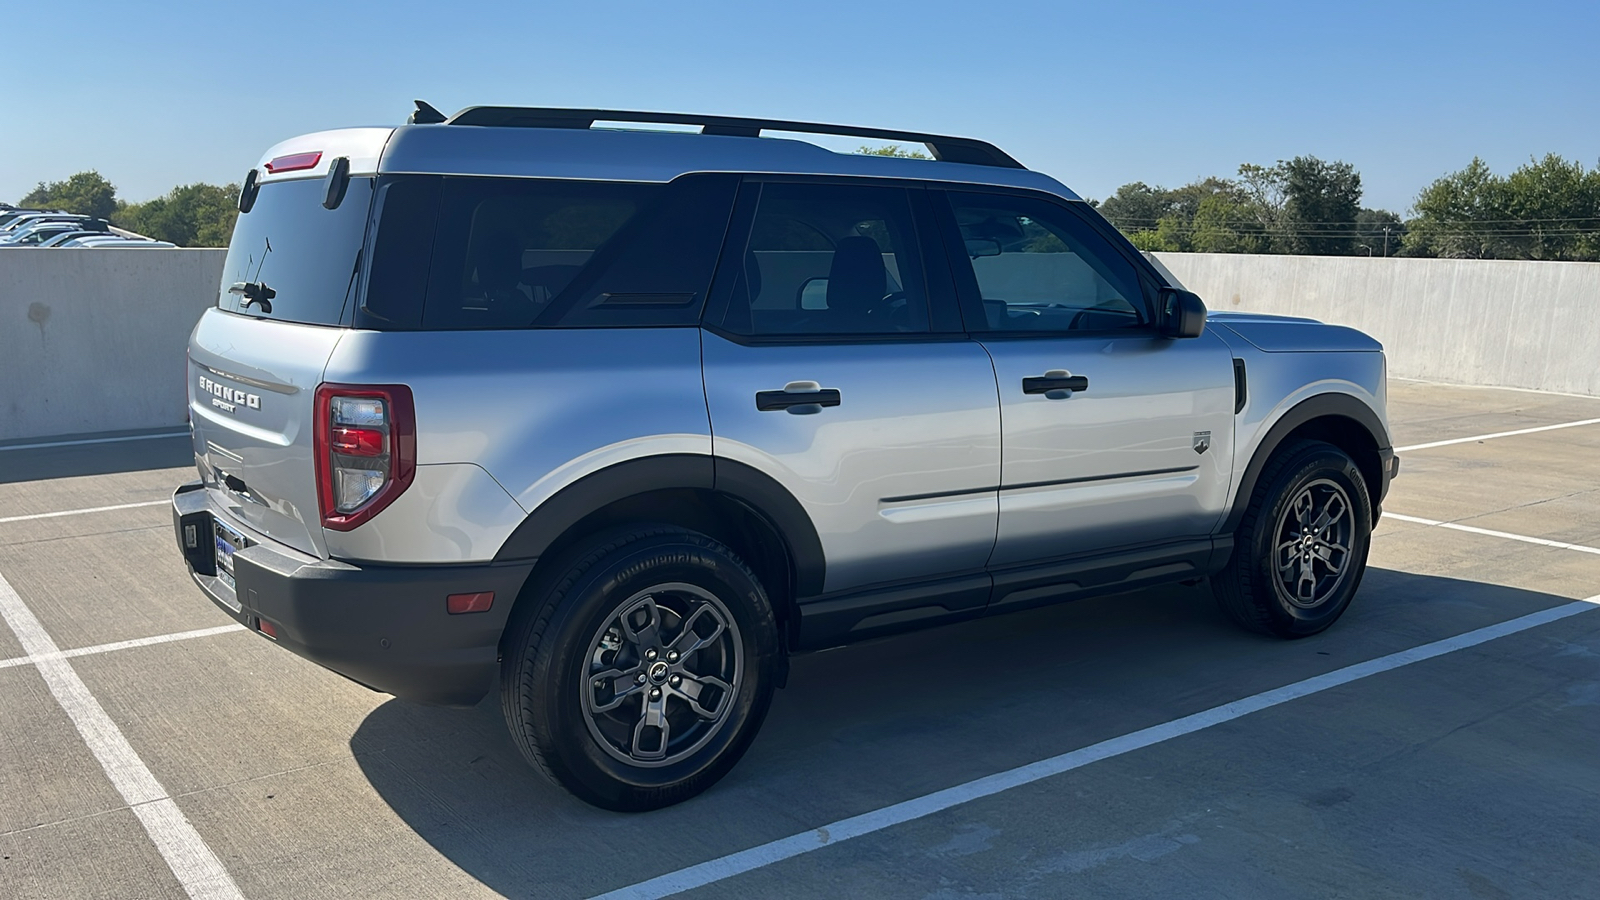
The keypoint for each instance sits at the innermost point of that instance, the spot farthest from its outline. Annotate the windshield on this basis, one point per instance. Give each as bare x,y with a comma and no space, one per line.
300,256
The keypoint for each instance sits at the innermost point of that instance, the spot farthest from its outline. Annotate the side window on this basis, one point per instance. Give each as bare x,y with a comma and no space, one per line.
511,246
533,253
1039,268
826,259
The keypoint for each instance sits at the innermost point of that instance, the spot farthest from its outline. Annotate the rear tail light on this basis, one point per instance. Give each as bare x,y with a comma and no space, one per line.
366,450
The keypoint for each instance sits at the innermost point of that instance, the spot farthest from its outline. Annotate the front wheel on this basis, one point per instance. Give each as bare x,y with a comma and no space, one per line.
643,675
1301,548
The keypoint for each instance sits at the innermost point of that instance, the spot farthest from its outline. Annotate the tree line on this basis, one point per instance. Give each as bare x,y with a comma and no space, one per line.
191,215
1547,209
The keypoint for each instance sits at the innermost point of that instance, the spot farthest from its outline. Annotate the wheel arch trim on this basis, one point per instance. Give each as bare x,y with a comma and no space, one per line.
1320,406
553,518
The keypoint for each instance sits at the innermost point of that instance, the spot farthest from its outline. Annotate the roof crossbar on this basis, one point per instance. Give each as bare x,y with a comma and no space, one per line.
943,147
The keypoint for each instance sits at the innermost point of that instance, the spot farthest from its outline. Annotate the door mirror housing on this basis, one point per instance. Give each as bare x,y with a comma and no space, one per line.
1183,313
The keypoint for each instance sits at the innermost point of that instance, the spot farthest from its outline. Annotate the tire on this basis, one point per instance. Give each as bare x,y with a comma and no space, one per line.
642,671
1302,485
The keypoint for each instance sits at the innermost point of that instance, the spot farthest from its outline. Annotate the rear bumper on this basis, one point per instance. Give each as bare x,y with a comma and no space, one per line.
385,627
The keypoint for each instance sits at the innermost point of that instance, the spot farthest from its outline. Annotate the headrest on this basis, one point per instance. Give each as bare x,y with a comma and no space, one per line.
857,279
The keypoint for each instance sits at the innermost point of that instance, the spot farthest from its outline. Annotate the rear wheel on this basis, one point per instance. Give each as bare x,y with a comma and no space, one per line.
643,674
1301,548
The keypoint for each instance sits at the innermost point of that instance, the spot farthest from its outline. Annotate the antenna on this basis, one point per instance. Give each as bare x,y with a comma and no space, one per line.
425,114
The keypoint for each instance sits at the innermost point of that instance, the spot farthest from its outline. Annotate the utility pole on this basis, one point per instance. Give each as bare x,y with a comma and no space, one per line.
1385,242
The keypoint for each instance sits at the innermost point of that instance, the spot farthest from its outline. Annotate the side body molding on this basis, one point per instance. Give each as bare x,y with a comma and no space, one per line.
680,471
1317,407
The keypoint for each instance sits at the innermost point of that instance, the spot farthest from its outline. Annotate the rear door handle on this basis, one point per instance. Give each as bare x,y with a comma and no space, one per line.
798,397
1055,380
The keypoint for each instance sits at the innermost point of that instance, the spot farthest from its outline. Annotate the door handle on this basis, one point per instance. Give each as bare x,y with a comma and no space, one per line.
1055,381
798,397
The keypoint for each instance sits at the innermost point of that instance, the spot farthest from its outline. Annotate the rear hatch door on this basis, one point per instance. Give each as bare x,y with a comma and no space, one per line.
254,366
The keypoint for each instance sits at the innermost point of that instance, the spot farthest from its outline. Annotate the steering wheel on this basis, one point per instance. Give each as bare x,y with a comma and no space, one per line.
893,309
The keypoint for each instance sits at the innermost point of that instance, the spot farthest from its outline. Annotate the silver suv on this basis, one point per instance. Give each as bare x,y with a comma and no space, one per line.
615,421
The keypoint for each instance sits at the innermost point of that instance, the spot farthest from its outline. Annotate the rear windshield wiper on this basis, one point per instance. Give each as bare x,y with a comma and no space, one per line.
254,292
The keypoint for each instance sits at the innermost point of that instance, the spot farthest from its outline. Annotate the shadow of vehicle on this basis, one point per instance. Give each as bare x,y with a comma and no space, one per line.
877,723
21,461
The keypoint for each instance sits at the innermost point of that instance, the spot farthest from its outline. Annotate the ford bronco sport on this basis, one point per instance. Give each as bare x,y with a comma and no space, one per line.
613,421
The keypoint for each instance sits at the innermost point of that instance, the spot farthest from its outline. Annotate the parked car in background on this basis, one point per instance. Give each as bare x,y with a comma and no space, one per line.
60,238
35,234
18,223
116,243
12,214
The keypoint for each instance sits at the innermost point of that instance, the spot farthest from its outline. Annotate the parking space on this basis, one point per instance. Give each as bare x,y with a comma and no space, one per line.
1472,772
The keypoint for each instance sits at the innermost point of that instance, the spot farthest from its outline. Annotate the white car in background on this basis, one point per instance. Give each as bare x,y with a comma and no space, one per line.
33,235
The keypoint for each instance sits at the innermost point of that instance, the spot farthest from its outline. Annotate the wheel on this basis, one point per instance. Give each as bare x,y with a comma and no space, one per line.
1301,548
642,674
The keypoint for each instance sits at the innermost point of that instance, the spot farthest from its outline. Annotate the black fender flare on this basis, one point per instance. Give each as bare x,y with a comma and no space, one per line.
753,488
1316,407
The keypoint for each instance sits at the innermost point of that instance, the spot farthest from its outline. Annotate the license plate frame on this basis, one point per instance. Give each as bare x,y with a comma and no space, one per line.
226,541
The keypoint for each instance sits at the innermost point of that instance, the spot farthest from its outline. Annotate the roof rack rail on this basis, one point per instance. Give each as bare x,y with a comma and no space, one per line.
943,147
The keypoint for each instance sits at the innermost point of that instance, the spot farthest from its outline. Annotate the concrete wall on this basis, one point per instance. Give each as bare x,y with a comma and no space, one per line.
93,339
1488,322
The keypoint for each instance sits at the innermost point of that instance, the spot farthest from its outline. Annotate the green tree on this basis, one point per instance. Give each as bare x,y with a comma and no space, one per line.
1137,207
894,150
1554,208
1379,232
194,215
1321,202
1227,224
1450,214
86,193
1546,209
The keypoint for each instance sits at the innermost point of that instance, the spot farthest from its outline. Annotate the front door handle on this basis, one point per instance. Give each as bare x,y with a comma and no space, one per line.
798,397
1055,381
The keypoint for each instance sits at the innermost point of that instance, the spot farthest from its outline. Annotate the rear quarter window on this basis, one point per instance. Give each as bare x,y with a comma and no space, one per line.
503,253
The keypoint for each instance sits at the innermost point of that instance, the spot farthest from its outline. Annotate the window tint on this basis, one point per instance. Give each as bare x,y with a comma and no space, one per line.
518,253
408,212
830,259
1039,268
307,255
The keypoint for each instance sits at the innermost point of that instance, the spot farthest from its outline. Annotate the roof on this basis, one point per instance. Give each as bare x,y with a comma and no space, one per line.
536,147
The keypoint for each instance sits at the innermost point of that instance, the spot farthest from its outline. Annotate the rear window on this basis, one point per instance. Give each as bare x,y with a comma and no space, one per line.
493,253
308,256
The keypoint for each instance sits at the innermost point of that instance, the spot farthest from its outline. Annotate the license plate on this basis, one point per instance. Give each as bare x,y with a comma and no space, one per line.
228,542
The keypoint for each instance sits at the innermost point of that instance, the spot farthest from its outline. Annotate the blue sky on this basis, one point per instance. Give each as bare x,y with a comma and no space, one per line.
1096,94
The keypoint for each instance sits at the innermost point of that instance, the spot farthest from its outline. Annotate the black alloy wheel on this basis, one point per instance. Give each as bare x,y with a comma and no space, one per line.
638,670
1301,547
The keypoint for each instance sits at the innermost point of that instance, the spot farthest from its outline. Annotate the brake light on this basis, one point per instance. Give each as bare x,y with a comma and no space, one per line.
358,441
366,450
294,162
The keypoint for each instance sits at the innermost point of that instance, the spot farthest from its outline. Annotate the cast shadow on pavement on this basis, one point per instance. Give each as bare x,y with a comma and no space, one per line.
869,725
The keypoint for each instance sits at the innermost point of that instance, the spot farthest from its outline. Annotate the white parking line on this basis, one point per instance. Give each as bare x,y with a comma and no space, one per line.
186,853
843,830
106,440
123,645
79,512
1498,434
1499,534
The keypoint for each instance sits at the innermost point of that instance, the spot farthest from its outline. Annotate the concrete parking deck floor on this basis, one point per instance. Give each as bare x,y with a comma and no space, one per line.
1475,772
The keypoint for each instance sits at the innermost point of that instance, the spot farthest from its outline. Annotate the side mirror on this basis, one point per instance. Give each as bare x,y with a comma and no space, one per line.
813,294
1183,314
